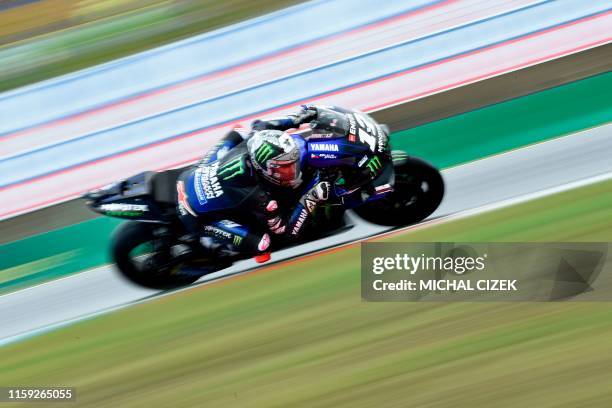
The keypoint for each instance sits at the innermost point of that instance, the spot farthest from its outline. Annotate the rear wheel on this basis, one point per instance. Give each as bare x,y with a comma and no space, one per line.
418,191
141,258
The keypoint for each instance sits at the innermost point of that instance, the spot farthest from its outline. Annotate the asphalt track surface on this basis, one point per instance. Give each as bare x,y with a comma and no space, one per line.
503,177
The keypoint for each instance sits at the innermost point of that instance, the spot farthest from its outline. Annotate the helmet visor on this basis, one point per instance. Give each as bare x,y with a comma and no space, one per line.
286,172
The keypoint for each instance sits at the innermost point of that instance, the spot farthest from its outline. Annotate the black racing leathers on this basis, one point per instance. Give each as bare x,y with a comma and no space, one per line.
357,128
241,222
284,212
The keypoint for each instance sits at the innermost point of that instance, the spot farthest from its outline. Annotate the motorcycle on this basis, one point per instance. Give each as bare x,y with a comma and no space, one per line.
153,249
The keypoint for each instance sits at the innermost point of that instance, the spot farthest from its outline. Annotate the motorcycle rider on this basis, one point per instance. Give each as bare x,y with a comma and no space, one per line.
273,185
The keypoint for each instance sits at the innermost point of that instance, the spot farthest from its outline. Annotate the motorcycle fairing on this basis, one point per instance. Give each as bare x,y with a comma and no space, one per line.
128,199
334,152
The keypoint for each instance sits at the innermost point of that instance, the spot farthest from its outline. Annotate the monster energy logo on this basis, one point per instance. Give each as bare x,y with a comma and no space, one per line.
237,240
399,156
374,164
231,169
265,152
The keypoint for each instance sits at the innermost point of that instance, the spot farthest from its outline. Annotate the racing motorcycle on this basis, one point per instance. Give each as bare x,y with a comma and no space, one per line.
153,248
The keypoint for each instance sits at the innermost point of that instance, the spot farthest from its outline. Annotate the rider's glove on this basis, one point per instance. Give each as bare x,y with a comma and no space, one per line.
308,114
319,193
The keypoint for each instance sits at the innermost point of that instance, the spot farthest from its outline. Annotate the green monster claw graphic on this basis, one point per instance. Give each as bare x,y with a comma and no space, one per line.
231,169
399,156
374,164
264,152
237,240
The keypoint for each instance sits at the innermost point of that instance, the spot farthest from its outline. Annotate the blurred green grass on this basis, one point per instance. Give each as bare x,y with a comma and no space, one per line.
298,334
113,37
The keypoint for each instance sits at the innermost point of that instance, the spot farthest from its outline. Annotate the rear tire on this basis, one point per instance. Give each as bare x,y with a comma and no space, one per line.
129,236
418,191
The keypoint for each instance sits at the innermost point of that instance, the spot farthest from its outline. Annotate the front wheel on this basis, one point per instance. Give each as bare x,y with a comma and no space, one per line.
417,192
141,259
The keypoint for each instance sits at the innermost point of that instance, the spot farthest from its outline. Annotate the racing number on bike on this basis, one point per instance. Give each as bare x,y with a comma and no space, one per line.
366,130
365,137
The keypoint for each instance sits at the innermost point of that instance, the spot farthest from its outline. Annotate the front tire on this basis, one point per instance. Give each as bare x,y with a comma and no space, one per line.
141,268
418,191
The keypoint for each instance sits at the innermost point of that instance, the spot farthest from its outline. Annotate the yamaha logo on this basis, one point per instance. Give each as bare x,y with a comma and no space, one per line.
324,147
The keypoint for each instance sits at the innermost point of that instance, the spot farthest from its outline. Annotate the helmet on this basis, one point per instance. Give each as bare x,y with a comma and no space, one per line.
276,155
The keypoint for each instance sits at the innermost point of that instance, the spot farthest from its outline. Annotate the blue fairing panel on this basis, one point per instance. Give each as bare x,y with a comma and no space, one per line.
334,152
